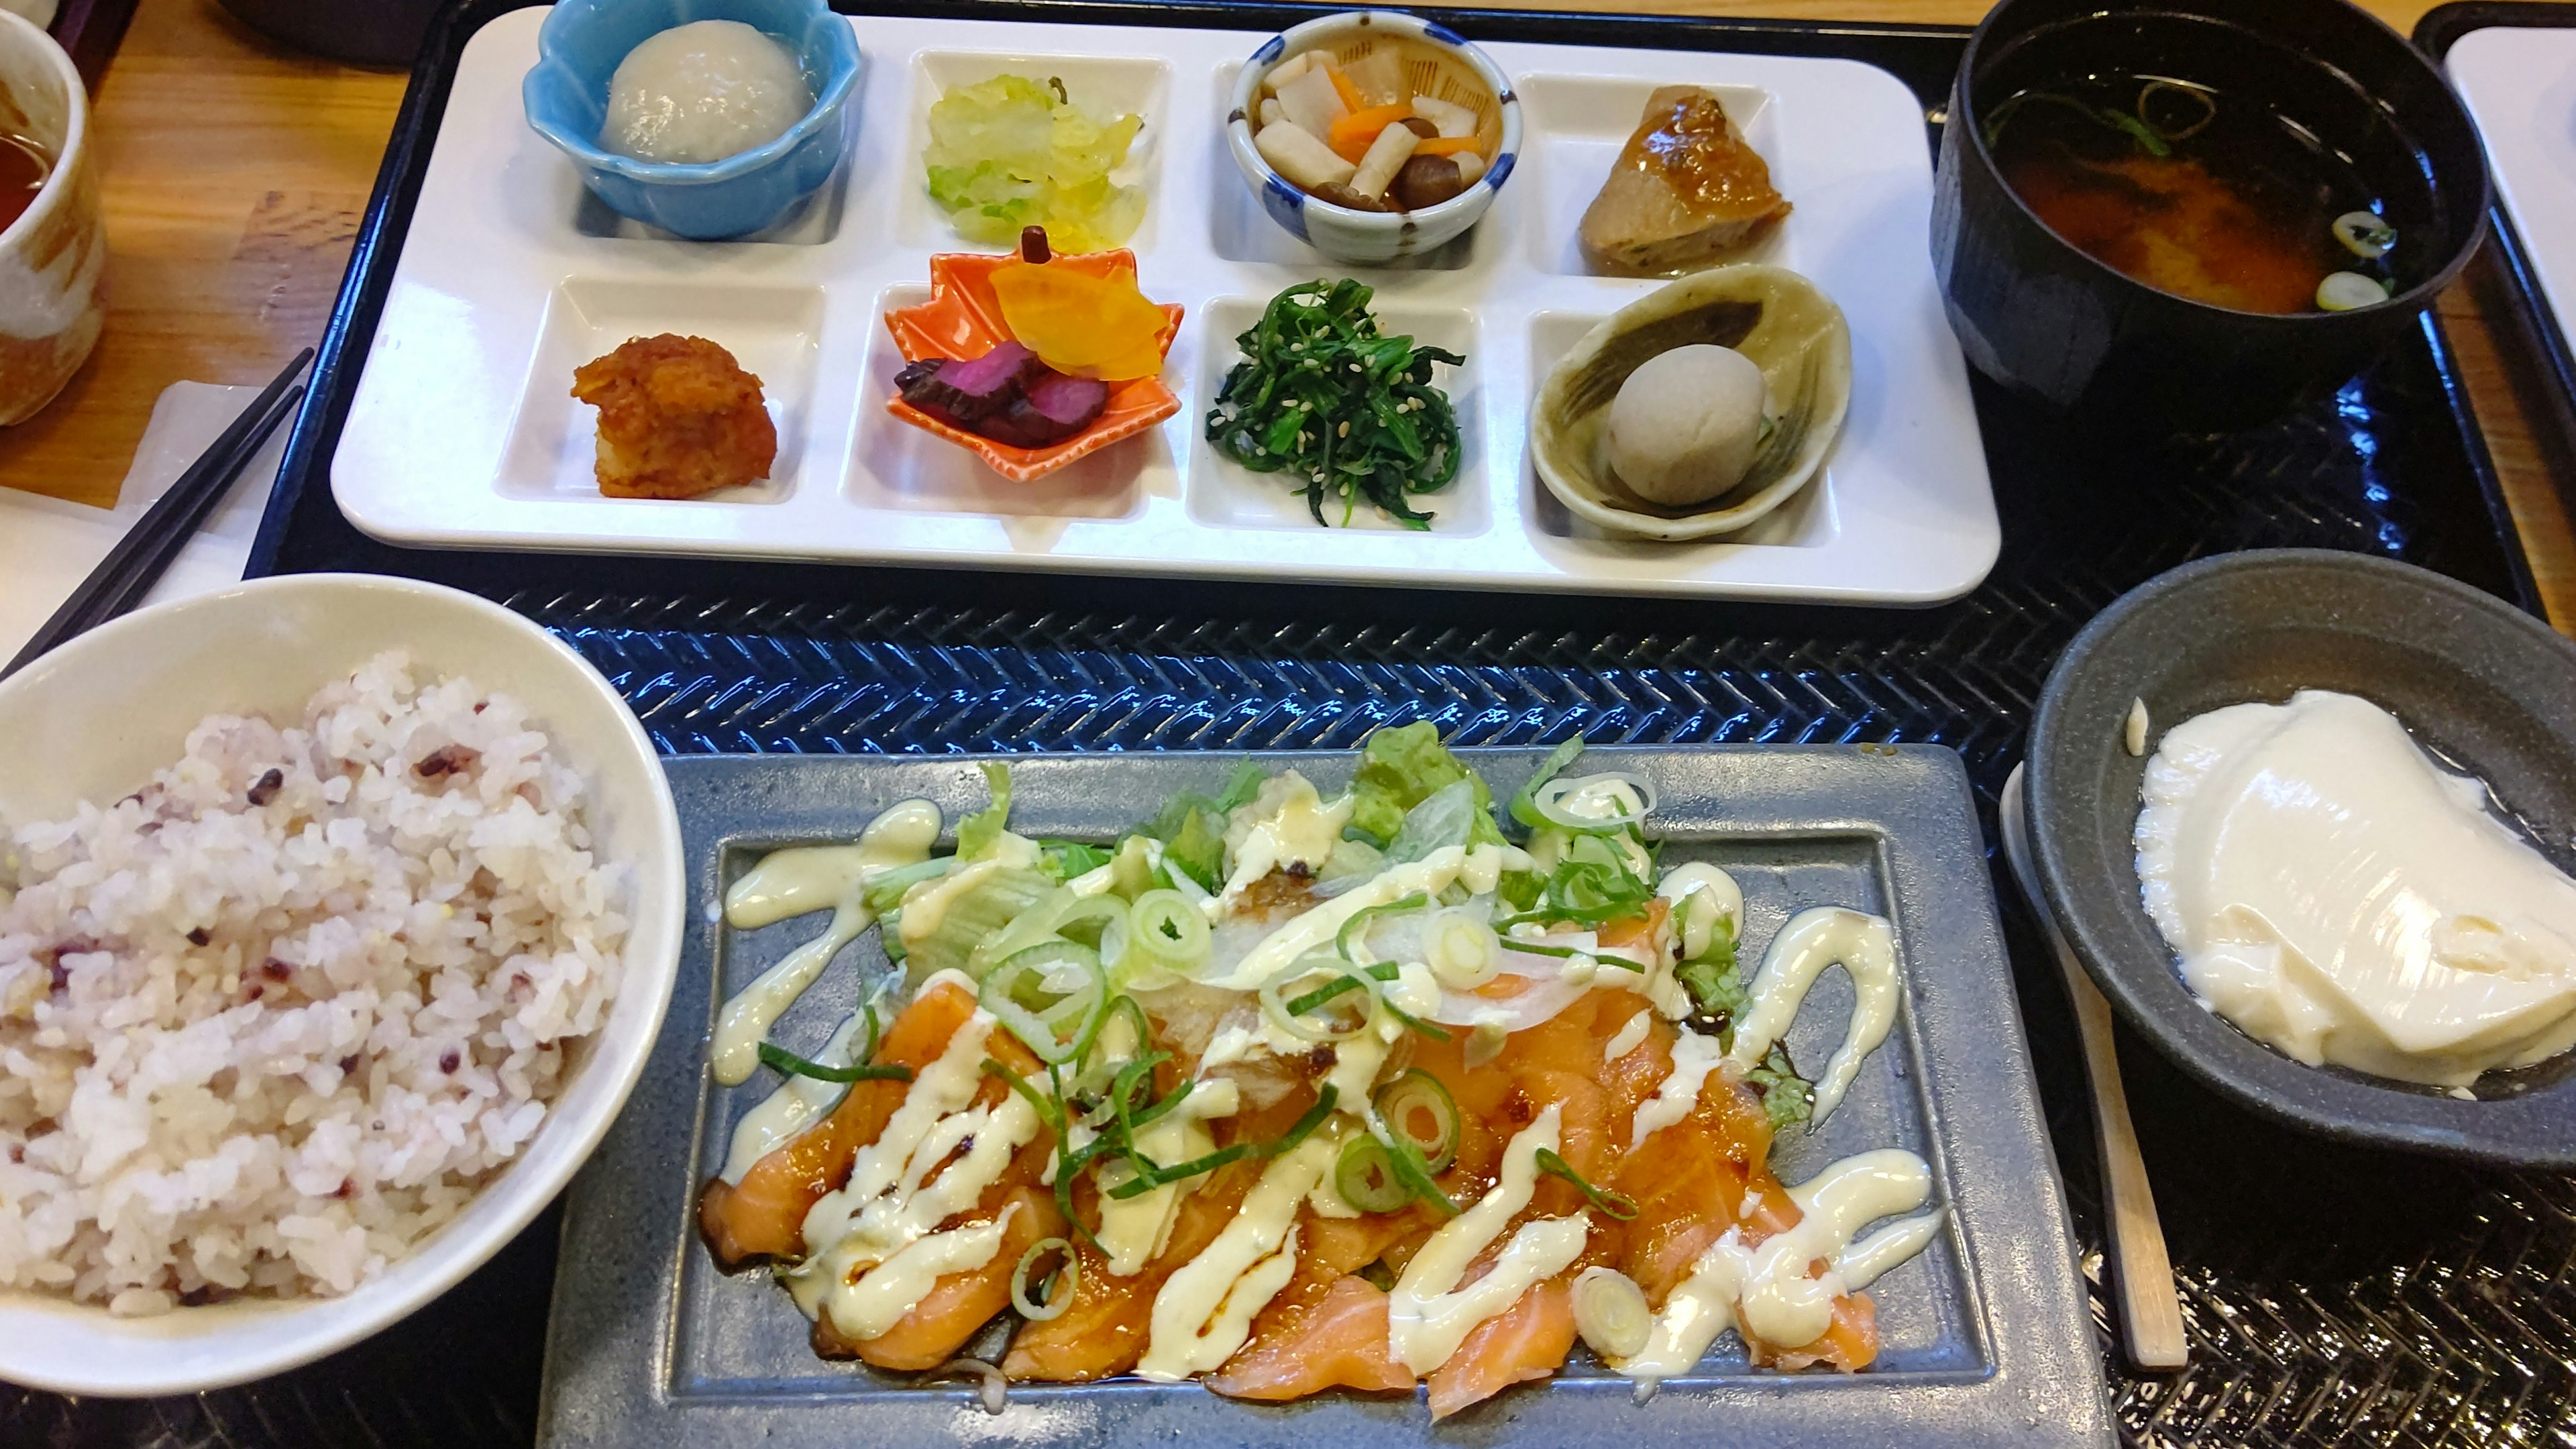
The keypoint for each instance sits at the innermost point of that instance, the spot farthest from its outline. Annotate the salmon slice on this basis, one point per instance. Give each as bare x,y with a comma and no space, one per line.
763,1216
1638,930
958,1304
1528,1340
1336,1342
1104,1330
1692,1182
1327,1328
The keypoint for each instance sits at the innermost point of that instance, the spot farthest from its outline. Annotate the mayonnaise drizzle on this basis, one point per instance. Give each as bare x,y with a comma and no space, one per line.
1205,1310
1694,1057
926,905
1316,928
1698,875
794,882
878,1301
1628,1037
1134,1231
1290,826
1428,1315
798,1103
1765,1288
1865,947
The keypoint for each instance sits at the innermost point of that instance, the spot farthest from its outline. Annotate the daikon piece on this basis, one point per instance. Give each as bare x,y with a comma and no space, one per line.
1378,79
1289,69
1386,156
1471,167
1451,120
1271,114
1294,153
1311,103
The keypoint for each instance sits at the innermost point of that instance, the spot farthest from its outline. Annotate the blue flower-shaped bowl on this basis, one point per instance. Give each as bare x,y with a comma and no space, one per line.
566,94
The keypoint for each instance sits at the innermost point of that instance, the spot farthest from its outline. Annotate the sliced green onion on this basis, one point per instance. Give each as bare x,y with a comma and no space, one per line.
1617,1205
1120,1005
1523,810
1170,927
1050,995
1304,1127
1060,914
1068,1281
1417,1094
1610,1312
1049,1110
1290,1016
1366,1178
1462,951
779,1059
1352,938
1412,1171
1549,801
2365,234
2350,291
1151,1176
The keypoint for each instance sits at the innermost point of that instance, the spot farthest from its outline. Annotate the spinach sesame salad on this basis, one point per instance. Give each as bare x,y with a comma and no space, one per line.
1346,412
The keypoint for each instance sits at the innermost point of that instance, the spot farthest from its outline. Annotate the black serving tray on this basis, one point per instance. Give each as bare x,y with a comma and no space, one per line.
2334,1296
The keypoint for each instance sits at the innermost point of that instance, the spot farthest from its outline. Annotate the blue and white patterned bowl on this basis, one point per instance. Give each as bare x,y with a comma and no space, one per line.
1369,238
566,95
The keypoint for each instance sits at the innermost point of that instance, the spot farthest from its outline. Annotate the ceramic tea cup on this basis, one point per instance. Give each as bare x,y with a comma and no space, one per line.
53,258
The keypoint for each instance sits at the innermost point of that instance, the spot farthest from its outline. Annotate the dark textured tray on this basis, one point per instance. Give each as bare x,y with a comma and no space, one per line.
2334,1296
1981,1339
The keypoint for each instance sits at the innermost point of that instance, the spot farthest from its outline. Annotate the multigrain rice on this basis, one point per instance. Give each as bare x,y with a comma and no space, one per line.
270,1021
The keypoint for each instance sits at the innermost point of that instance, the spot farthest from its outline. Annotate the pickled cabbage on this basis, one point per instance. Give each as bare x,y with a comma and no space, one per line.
1012,153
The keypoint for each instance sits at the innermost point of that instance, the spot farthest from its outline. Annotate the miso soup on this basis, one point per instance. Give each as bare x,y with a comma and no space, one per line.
2210,196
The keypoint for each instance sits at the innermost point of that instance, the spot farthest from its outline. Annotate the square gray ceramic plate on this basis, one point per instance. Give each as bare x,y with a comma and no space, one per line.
1984,1337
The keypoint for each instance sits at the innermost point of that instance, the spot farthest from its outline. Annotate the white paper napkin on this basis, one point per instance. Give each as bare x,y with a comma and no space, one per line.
47,546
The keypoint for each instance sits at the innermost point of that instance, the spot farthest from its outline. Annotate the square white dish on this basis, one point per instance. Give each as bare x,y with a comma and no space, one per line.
462,432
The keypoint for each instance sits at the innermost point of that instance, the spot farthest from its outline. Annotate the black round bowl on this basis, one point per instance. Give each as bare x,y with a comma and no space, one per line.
2485,685
361,32
2048,321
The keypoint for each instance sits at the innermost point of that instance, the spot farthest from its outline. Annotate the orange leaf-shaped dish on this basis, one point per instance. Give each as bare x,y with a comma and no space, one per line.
963,319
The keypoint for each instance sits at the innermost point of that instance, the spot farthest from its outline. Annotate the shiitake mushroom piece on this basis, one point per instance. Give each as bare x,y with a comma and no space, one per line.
1425,181
1342,195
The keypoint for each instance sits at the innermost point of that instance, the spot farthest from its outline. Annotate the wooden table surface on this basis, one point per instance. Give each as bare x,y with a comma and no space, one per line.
236,174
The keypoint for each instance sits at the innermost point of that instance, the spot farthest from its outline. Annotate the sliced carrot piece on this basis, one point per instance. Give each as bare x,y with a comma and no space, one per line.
1355,133
1448,146
1350,94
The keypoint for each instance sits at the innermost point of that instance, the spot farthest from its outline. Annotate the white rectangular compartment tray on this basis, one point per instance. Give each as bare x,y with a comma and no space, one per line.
463,431
2519,83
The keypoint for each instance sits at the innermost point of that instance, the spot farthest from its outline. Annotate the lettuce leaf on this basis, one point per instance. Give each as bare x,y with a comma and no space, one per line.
1402,767
978,833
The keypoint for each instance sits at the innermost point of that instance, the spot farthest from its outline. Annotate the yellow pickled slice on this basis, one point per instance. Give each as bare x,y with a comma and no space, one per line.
1082,325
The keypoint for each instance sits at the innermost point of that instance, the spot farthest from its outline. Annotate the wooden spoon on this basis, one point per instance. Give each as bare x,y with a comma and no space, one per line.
2141,1275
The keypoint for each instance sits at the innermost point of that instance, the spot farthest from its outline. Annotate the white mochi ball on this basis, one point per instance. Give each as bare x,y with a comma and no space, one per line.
1686,424
703,91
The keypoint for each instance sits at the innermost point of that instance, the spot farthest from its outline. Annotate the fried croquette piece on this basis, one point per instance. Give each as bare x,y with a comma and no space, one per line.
678,417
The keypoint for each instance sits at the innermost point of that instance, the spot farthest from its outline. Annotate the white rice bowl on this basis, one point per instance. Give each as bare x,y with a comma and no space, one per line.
303,1014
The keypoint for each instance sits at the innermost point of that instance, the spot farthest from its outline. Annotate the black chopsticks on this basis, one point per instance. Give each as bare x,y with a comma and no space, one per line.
129,571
